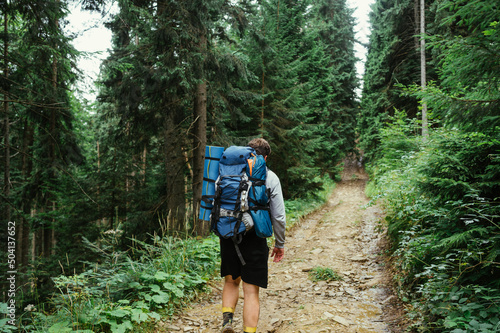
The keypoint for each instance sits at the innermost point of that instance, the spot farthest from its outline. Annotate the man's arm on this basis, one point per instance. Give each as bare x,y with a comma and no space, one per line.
278,215
278,254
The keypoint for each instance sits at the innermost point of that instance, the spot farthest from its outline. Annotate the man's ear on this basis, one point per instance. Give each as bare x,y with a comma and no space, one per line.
265,158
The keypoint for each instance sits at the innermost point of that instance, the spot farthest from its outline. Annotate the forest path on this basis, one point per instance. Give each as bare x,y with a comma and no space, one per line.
341,236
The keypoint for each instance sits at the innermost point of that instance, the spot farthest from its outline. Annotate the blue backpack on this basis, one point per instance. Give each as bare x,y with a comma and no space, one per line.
241,189
258,196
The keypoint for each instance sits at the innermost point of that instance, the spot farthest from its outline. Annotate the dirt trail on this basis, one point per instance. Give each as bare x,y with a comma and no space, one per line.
340,236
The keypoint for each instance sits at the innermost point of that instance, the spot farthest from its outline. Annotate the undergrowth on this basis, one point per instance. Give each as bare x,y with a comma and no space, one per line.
323,274
128,291
443,218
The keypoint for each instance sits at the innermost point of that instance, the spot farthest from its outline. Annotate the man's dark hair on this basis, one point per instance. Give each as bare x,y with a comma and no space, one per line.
261,146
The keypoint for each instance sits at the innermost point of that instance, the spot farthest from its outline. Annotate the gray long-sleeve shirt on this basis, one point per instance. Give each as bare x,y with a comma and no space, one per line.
277,206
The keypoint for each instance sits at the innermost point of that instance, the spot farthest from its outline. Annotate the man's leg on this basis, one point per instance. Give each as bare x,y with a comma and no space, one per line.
230,295
231,292
251,307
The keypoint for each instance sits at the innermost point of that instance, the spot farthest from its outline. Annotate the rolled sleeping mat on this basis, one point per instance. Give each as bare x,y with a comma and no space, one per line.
210,174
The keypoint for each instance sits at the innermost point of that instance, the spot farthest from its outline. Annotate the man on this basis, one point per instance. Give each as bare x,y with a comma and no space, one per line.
254,249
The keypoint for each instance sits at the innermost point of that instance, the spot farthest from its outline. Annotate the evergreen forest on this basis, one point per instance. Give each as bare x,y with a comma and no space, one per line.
99,199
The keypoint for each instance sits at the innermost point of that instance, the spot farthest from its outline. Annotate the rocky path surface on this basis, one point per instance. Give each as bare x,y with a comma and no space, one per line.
340,236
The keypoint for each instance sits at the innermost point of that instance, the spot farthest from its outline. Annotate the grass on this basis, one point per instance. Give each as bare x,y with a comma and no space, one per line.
324,274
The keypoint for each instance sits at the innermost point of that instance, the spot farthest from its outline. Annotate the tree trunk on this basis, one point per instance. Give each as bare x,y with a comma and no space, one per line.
24,226
6,189
49,230
425,131
36,238
174,165
144,165
49,226
99,177
199,144
416,19
261,125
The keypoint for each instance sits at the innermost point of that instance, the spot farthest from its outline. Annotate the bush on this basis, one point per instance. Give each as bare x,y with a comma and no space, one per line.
130,289
443,218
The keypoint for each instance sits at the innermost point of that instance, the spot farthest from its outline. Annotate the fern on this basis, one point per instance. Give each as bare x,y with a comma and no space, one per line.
461,239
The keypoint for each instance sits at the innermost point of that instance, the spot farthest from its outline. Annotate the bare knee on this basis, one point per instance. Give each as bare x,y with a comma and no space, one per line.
250,289
228,279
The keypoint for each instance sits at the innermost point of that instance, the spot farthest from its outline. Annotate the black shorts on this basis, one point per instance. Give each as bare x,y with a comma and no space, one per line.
255,252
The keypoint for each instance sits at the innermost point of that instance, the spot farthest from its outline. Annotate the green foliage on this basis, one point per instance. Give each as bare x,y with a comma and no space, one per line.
330,71
129,289
276,50
443,217
441,195
323,274
38,71
297,209
466,48
462,165
392,59
4,322
469,303
398,142
306,81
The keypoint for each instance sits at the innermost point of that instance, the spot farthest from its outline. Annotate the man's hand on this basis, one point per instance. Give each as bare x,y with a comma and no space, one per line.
277,254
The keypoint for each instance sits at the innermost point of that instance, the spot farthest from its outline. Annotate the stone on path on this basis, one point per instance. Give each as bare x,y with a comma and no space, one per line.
341,320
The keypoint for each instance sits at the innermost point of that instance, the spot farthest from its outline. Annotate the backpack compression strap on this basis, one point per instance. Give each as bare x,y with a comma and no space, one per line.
207,199
256,205
237,240
218,212
237,236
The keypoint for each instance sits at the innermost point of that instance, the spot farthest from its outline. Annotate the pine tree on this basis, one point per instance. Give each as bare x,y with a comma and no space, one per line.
132,123
294,73
465,44
165,71
40,147
337,83
6,121
392,59
274,48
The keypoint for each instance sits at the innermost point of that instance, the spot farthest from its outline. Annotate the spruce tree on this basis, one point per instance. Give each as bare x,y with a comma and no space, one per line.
40,144
465,43
336,81
295,70
392,60
165,71
275,48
